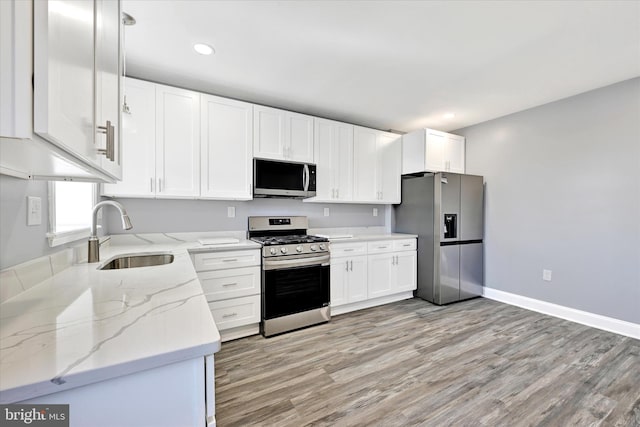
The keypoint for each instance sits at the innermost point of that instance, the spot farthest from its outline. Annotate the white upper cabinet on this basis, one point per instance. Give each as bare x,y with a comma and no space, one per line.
282,135
428,150
177,142
226,148
77,74
377,165
138,142
333,143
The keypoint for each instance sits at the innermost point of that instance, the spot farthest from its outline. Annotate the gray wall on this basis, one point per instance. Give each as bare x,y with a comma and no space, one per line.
152,216
562,193
18,242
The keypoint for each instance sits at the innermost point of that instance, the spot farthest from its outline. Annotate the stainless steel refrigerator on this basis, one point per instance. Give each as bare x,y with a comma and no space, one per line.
445,211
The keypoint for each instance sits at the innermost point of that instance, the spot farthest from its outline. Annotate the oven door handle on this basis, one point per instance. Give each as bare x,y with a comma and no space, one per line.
305,262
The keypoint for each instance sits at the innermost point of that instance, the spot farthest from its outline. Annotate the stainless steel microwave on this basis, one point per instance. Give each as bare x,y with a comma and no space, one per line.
273,178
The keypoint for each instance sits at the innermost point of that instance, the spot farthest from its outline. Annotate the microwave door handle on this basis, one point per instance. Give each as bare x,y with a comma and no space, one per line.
305,177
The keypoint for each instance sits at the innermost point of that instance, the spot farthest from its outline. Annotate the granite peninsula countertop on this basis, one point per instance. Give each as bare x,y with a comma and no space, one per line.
84,325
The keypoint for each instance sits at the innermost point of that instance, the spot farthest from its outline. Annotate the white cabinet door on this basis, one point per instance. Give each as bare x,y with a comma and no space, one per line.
269,132
333,142
381,275
365,169
299,137
339,272
64,76
455,153
177,142
357,285
435,150
138,143
226,148
405,266
16,39
282,135
108,84
390,167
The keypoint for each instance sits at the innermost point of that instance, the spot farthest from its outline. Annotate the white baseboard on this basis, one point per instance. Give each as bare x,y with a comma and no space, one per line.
584,317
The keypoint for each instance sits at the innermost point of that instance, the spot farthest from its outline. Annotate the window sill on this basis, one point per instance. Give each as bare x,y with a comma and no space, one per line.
57,239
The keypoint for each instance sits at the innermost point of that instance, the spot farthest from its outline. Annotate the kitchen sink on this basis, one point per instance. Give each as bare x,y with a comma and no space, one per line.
133,261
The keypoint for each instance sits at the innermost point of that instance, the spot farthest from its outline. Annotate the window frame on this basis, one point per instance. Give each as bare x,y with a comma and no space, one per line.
60,238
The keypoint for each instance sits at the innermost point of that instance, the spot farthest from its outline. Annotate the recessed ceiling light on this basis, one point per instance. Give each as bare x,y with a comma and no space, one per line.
203,49
448,115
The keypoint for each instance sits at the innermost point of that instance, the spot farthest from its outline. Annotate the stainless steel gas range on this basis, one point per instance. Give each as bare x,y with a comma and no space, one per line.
295,274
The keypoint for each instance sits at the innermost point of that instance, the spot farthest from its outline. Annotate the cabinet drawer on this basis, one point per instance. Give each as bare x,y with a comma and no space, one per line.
223,260
236,312
230,283
348,249
404,245
381,246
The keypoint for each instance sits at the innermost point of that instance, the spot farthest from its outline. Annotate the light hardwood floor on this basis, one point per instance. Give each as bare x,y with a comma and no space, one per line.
474,363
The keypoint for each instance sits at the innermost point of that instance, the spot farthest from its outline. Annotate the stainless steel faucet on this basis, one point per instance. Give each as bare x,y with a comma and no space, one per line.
94,244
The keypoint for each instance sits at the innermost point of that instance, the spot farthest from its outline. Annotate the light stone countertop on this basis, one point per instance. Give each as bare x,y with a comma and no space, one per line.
84,325
359,234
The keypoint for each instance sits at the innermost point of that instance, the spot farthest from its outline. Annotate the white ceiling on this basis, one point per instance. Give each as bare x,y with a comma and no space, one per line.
388,64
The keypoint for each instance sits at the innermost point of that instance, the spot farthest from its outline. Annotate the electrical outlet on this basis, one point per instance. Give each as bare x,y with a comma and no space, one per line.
231,212
546,275
326,211
375,211
34,211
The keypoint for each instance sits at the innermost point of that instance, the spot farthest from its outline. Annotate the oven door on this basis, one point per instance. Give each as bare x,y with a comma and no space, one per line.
288,287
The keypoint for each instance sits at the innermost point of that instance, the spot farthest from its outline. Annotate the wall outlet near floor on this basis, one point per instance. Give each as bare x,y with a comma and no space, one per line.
375,211
326,211
34,211
231,212
546,275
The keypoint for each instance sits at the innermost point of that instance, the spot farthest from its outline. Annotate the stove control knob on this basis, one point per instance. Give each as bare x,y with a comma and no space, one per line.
272,251
283,250
313,247
322,247
299,248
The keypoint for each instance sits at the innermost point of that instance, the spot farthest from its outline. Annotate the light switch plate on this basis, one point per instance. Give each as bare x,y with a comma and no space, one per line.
231,212
375,211
34,210
326,211
546,275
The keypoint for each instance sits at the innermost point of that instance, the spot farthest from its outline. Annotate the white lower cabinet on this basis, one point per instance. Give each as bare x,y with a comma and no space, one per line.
348,280
230,281
143,398
366,274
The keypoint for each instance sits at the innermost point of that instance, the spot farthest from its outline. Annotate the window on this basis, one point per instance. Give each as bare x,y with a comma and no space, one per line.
70,206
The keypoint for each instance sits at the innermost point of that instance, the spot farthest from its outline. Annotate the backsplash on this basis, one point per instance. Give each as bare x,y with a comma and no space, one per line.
21,277
157,216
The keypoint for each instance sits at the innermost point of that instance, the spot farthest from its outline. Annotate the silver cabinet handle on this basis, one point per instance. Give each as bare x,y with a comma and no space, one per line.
351,265
346,264
229,284
109,131
337,193
348,250
226,316
406,244
230,260
151,184
333,193
159,185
